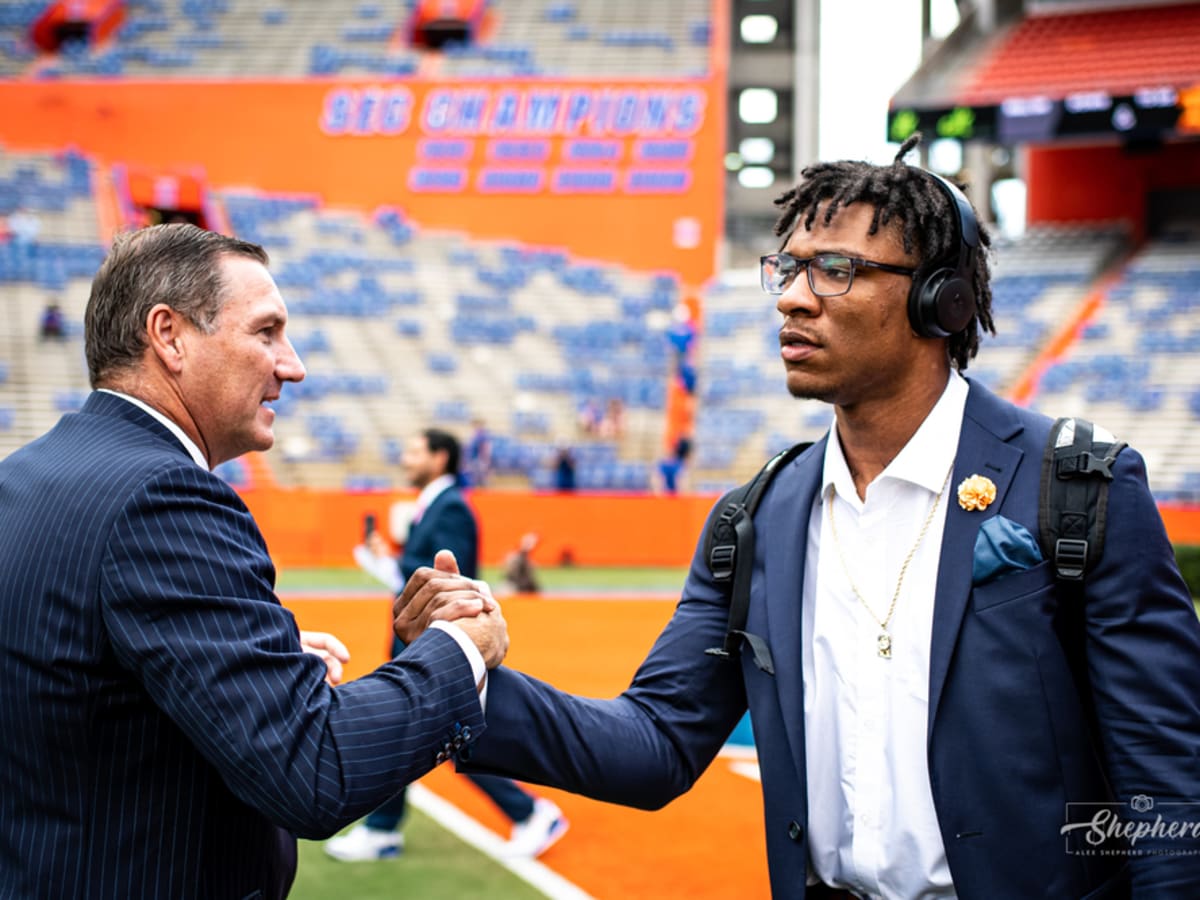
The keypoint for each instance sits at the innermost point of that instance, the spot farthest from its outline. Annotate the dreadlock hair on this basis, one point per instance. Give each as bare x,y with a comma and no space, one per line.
904,193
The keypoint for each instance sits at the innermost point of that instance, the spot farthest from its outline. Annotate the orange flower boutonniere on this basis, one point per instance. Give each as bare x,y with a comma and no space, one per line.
976,492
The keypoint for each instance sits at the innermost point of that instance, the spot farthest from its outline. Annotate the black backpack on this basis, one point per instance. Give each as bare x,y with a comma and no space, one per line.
1076,470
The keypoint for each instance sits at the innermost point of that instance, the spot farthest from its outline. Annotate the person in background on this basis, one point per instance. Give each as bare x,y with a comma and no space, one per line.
520,576
564,469
443,520
169,735
936,714
478,463
53,326
674,467
612,424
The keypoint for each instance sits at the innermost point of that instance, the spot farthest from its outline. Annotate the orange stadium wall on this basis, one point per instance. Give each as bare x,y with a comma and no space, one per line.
306,528
320,528
1107,183
620,171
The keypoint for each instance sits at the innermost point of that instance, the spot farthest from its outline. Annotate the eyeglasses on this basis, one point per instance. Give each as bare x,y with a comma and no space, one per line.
829,274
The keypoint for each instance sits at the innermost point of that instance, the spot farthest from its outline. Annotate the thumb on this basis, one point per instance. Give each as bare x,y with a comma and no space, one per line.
445,562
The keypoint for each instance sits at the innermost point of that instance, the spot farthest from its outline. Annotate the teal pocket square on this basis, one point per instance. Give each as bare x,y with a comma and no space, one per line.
1003,546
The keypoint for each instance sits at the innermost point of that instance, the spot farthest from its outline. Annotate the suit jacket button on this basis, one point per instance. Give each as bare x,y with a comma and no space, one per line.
466,733
441,757
795,830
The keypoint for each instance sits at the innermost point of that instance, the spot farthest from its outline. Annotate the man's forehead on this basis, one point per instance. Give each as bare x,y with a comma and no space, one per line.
250,288
848,223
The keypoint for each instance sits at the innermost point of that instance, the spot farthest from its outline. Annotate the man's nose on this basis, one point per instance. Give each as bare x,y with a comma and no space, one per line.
798,298
289,367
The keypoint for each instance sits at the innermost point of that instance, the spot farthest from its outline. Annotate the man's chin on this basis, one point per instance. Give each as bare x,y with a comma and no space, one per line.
804,389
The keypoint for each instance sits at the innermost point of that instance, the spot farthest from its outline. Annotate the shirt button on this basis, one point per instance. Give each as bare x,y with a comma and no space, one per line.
795,830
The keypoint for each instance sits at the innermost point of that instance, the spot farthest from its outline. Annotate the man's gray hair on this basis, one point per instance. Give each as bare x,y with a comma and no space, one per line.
178,265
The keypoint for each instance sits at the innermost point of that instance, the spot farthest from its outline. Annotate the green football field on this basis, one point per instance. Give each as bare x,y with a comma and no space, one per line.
435,865
573,579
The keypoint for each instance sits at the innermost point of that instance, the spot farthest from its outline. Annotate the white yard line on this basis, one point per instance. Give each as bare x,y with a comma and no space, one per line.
488,843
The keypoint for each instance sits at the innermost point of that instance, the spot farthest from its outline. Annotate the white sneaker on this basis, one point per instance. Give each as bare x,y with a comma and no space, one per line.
541,831
361,843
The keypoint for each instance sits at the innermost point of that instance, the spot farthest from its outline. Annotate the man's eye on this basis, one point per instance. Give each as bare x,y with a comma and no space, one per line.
834,268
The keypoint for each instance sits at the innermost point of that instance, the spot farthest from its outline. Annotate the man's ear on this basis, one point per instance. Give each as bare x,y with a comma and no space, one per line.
164,330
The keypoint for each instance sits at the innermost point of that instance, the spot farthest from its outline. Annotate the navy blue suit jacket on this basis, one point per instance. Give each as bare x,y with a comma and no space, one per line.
1012,737
447,524
164,734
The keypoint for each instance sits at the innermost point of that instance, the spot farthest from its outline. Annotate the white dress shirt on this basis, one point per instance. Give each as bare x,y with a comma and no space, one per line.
872,827
474,657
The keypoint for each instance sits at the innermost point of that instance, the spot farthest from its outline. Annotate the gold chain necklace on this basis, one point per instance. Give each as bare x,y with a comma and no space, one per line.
884,641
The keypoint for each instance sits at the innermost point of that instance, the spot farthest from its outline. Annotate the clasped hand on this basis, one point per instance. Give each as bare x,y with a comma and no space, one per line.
441,593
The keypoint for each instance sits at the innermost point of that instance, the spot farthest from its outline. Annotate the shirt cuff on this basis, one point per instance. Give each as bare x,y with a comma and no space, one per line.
474,657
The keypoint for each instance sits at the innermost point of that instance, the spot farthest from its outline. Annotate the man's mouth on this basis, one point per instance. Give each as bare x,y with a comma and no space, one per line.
794,346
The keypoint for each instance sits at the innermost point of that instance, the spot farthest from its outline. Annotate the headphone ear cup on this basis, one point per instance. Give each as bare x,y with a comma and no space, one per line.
922,305
941,304
955,305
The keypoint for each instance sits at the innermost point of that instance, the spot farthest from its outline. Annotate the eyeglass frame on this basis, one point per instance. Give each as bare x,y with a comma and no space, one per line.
805,261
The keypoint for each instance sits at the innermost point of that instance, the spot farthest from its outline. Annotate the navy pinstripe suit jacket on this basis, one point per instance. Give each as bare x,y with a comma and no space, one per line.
162,734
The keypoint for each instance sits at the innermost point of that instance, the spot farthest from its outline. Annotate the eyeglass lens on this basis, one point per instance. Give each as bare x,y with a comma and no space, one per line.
828,276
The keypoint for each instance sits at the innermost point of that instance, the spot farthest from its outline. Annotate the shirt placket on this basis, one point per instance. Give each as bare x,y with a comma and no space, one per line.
870,569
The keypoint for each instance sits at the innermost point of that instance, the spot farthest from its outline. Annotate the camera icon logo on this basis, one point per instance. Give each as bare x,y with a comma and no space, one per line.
1141,803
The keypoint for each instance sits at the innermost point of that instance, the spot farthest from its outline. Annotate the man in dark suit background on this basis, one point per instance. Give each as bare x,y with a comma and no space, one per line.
928,724
443,520
166,733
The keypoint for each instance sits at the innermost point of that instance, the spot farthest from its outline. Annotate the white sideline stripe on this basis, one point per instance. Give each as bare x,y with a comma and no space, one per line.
746,769
482,839
738,751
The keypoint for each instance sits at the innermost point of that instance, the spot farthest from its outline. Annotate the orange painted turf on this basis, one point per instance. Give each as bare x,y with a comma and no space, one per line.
707,844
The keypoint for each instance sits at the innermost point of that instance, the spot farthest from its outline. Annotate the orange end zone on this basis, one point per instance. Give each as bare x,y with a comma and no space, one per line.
707,844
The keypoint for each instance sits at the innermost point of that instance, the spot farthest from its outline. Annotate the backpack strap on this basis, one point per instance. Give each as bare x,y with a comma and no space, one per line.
729,550
1076,471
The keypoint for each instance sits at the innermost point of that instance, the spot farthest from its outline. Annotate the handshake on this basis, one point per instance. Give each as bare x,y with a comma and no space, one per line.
441,593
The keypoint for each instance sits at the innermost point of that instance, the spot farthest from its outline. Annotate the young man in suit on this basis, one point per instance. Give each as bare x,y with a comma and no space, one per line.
930,726
168,735
443,520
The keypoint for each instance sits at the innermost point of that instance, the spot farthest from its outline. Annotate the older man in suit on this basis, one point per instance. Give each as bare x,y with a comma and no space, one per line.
930,726
166,733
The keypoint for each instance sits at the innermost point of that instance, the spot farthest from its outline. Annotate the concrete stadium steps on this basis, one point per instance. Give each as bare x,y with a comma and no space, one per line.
295,38
43,378
1135,370
413,320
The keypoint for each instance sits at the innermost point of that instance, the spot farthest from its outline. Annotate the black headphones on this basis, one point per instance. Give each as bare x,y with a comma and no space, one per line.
942,302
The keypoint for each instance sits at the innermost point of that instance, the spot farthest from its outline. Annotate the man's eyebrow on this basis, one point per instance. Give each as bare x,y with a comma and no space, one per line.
827,251
268,320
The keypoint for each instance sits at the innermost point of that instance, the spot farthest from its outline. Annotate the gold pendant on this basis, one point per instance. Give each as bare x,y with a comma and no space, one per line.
884,642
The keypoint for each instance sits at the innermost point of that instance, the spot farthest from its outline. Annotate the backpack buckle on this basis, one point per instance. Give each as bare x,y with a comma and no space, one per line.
720,561
1086,463
1070,558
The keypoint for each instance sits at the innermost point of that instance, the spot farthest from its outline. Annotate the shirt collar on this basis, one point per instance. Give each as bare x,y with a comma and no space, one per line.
188,444
924,460
433,490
